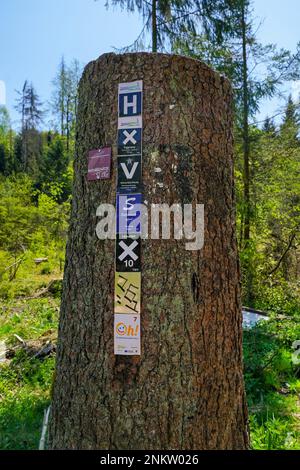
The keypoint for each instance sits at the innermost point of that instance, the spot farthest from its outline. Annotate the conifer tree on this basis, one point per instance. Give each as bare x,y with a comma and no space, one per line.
30,109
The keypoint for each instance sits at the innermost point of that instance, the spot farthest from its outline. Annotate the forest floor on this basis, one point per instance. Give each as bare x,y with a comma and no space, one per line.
28,330
28,326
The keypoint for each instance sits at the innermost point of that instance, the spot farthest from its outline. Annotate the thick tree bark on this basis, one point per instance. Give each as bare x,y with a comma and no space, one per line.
186,389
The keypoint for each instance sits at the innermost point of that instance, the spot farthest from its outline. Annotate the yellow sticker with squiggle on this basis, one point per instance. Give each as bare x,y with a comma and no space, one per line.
128,293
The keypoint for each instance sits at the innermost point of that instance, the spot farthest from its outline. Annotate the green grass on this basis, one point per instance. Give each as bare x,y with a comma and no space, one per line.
272,386
24,394
25,382
28,319
273,433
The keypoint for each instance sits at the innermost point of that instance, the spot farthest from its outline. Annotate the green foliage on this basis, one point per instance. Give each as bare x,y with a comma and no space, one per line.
24,395
267,162
170,20
65,98
273,433
33,224
272,253
7,137
18,215
46,269
272,383
4,121
25,382
280,66
29,319
278,296
55,172
165,18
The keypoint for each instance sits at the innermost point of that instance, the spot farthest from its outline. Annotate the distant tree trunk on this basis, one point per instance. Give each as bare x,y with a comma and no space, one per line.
186,390
246,133
62,123
154,25
24,127
68,121
25,150
246,219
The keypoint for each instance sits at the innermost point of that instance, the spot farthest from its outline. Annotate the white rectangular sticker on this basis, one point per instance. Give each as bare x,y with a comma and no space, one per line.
130,122
127,336
131,87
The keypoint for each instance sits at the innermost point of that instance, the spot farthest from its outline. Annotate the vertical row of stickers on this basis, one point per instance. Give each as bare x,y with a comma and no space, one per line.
127,306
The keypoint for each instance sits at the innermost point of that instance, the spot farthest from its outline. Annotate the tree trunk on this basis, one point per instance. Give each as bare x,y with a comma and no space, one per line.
68,122
246,143
247,267
154,26
186,389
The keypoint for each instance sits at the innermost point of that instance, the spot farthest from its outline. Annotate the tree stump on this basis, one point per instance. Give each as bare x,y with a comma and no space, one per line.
186,389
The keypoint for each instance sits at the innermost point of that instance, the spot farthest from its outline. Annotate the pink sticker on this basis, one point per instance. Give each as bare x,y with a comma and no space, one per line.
99,164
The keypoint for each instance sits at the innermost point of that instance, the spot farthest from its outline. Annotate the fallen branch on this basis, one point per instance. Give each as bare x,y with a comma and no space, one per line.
51,288
47,349
13,268
35,349
20,339
40,260
44,428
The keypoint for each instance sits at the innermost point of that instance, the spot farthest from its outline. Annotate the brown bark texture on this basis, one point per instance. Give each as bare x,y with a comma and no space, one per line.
186,390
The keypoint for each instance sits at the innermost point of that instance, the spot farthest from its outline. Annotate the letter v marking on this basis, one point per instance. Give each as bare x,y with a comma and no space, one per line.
129,174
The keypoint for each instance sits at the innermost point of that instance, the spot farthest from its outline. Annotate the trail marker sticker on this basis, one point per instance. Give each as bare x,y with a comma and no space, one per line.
130,98
99,164
131,87
127,337
128,254
129,174
130,104
129,214
134,122
128,293
129,141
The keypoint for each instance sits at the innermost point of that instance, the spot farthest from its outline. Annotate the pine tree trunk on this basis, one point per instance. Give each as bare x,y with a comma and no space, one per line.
186,389
246,219
154,25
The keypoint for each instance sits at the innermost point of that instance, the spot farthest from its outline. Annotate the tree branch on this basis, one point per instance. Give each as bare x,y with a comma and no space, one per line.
292,238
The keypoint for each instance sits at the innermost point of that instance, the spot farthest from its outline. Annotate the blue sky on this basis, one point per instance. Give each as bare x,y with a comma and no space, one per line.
34,34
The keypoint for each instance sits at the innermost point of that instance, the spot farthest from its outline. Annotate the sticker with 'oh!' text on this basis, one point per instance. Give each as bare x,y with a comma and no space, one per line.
127,336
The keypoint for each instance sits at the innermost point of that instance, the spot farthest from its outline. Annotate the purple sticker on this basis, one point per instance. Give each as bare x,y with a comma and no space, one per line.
99,164
129,214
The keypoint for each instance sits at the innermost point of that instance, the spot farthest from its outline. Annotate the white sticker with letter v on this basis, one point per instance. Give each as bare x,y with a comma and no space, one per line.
129,174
